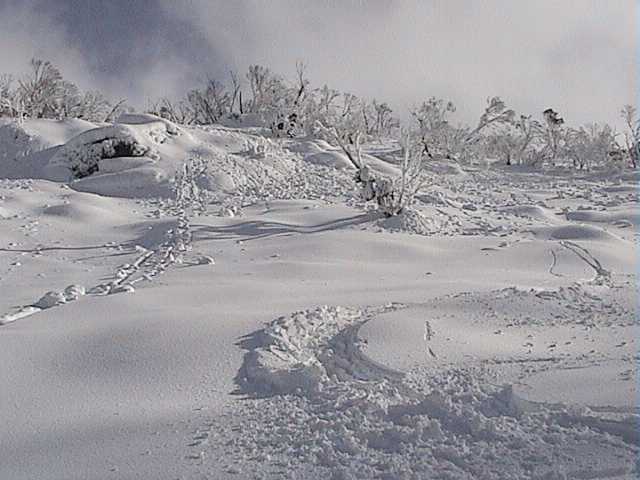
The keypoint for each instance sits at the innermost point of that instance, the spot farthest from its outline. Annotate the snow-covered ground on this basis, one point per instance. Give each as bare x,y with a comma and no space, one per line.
288,331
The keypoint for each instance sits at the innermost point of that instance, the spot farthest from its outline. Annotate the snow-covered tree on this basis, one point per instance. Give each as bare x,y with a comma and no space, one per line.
42,90
433,128
552,134
8,96
631,134
589,144
515,143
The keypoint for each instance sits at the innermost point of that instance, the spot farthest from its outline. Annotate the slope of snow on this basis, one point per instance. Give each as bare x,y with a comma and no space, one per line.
288,331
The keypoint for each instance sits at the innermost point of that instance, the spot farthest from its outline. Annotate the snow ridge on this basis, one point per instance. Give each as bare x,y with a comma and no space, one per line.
321,402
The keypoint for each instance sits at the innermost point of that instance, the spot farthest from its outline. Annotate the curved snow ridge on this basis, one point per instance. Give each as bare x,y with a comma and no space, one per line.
131,136
300,352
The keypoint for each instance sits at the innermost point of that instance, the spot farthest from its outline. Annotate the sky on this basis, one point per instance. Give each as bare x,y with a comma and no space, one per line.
578,56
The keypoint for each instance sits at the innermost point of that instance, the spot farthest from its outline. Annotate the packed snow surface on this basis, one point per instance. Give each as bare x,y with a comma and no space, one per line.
209,303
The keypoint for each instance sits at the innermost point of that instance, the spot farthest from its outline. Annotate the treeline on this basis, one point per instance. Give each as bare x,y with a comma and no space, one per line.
44,93
296,108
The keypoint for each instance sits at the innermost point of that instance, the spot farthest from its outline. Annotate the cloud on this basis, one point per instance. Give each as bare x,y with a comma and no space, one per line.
577,56
26,33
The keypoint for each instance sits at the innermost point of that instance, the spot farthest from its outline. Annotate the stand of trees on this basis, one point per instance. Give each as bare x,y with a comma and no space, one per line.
295,108
45,93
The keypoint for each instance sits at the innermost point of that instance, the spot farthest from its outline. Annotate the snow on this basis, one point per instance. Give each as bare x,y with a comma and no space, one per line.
290,331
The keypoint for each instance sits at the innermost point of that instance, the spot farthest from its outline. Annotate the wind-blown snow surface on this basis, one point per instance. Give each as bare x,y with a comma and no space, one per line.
488,334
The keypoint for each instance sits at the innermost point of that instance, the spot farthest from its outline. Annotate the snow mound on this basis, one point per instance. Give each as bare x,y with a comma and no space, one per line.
631,216
137,182
148,119
411,221
574,232
85,212
534,212
81,156
25,148
445,168
290,356
330,159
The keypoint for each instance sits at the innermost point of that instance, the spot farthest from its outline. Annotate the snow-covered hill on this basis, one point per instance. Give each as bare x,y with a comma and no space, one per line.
286,330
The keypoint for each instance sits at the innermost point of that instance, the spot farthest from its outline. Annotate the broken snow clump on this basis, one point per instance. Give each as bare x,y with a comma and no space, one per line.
134,137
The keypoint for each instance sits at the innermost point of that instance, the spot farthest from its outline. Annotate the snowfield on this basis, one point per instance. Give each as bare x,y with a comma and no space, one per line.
269,324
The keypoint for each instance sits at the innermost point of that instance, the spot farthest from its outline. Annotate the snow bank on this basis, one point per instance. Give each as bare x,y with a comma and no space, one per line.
575,232
628,216
26,147
81,156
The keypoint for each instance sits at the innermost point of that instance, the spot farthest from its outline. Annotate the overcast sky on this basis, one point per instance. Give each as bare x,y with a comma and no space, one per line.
578,56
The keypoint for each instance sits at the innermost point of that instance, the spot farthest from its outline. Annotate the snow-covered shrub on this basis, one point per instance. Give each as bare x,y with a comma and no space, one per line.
83,153
263,147
189,198
392,195
81,156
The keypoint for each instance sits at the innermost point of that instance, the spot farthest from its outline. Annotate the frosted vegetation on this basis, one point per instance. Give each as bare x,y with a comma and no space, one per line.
269,279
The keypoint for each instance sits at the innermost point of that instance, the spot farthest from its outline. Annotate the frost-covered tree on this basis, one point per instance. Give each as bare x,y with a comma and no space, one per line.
236,93
552,134
433,128
8,96
631,134
290,111
515,142
44,93
589,144
495,114
209,104
42,90
180,111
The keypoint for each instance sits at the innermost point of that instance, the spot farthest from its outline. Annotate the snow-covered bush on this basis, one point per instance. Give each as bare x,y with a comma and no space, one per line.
189,198
262,147
392,195
81,156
